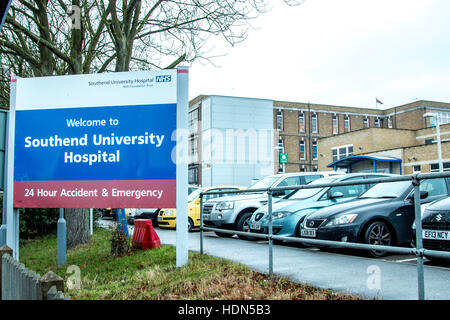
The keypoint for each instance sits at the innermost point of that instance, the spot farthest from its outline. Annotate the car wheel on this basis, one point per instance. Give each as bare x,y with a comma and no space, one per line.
191,225
378,233
244,226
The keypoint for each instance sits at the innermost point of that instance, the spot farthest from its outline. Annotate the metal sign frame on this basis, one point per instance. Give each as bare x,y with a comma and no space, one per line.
181,162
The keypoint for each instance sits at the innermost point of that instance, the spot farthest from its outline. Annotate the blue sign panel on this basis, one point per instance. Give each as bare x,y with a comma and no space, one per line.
101,143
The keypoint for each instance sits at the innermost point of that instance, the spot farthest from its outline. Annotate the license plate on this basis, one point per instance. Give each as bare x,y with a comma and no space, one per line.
159,218
436,234
206,216
308,233
255,226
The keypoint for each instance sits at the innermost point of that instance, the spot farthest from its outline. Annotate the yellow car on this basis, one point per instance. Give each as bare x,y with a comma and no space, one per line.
167,218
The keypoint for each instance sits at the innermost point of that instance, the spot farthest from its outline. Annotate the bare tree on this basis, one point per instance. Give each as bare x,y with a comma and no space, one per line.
57,37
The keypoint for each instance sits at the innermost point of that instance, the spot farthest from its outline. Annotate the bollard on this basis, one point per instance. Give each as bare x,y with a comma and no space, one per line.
62,238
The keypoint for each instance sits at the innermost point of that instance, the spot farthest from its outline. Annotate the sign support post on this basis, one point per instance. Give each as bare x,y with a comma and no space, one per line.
182,244
12,215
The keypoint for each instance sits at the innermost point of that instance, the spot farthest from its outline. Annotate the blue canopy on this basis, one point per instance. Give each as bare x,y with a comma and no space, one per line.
349,161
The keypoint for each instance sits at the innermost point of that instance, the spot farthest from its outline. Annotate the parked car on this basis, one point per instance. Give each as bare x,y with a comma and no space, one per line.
143,213
234,212
382,215
167,217
108,213
151,213
436,226
192,189
288,213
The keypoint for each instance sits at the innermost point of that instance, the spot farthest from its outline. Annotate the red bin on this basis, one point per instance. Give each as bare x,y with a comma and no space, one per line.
144,236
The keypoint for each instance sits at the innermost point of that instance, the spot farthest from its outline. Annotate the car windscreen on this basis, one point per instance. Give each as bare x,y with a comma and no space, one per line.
192,189
264,183
307,193
194,195
387,190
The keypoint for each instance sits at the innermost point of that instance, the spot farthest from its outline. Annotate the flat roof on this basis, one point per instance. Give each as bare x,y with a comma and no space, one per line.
345,162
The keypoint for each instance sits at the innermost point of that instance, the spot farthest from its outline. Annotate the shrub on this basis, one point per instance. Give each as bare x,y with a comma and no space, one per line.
120,244
35,223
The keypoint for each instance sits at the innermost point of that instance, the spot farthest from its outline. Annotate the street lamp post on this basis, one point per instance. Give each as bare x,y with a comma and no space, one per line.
438,137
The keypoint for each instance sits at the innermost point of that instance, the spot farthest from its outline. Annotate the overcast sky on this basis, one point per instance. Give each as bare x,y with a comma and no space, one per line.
338,52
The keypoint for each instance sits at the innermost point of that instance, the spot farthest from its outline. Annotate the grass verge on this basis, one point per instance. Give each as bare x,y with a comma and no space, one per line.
151,274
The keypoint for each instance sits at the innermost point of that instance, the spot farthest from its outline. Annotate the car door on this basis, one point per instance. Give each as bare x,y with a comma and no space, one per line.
308,178
403,218
288,181
344,193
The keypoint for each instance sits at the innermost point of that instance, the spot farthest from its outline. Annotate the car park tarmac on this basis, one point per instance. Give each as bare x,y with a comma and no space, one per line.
393,277
387,278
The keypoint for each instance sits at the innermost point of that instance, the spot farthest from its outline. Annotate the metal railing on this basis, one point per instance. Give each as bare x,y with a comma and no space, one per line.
419,251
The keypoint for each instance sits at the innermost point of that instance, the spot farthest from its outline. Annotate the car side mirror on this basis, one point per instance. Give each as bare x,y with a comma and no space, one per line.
423,195
336,194
278,193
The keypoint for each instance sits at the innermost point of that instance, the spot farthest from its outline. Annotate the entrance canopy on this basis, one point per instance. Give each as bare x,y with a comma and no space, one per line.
371,162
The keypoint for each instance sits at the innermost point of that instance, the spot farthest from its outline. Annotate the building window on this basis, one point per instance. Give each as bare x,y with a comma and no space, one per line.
315,169
314,150
341,152
377,123
366,123
280,145
193,175
193,146
334,154
302,150
193,121
335,124
417,168
444,117
280,120
434,167
314,124
347,123
301,122
281,166
390,122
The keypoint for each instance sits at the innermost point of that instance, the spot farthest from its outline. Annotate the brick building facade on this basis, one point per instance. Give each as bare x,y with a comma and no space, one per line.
304,131
313,135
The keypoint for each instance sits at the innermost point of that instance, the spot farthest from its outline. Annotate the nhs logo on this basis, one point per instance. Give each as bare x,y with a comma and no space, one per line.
164,78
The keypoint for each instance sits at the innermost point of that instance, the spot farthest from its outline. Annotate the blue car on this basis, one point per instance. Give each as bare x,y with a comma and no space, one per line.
288,213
